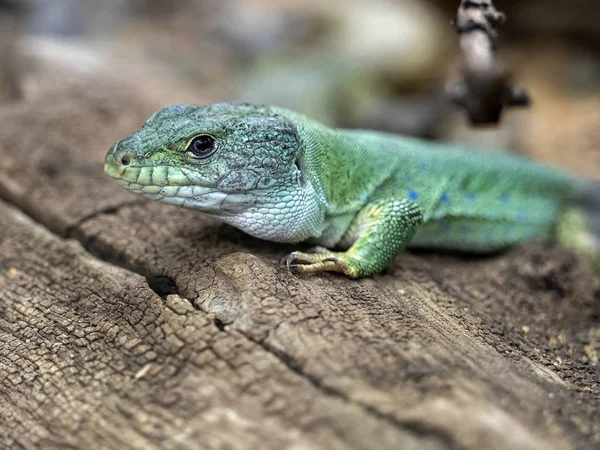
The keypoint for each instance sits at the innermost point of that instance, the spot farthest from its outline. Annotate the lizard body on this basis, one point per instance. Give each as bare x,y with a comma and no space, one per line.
277,175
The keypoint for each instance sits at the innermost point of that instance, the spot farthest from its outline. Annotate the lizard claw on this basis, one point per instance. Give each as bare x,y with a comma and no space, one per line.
288,260
296,268
298,262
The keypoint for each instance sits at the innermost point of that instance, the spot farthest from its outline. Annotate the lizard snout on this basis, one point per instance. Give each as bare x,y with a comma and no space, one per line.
117,160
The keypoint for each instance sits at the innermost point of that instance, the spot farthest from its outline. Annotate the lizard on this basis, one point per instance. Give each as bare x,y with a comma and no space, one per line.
360,196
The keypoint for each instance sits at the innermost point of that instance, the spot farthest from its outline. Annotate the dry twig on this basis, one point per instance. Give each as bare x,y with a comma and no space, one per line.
486,87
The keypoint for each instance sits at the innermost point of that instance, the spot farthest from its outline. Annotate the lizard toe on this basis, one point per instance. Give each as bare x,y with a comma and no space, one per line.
288,260
299,262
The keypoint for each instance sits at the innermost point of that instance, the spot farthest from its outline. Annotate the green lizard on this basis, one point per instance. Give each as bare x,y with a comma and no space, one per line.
363,196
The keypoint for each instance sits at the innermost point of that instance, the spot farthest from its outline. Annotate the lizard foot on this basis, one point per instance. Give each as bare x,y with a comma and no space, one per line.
323,261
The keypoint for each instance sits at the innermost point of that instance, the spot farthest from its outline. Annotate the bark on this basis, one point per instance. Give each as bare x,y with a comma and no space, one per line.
129,324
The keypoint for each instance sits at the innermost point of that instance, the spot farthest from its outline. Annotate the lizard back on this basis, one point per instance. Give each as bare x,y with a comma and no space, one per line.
471,200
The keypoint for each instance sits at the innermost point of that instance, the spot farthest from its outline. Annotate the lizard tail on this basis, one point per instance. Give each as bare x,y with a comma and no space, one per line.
578,226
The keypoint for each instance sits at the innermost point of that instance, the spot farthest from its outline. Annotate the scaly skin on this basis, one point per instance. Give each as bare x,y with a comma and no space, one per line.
279,176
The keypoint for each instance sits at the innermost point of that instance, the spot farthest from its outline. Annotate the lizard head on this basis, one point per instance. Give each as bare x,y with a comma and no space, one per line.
215,158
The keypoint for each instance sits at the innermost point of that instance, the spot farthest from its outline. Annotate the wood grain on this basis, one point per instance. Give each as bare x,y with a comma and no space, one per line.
125,323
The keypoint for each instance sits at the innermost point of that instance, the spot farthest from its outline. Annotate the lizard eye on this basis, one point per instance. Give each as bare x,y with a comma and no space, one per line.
202,146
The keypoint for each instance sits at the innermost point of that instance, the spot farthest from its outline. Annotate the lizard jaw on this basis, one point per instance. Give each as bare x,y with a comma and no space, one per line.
178,186
154,175
208,200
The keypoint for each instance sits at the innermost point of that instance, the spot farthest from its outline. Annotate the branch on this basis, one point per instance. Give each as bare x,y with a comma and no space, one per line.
486,88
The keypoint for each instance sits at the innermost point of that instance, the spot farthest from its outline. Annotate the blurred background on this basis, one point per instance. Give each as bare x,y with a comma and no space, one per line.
379,64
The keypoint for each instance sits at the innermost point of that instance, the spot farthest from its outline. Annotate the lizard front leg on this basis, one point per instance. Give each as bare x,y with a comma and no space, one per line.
380,231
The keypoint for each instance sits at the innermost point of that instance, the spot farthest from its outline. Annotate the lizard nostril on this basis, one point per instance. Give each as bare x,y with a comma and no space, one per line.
122,156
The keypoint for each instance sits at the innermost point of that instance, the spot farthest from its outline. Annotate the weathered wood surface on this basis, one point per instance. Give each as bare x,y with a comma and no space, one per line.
128,324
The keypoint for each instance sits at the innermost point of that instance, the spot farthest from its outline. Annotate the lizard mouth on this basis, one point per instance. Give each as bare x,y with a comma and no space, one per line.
152,175
178,186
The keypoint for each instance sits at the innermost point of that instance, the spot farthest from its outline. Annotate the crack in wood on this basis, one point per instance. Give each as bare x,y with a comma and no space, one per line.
111,210
418,428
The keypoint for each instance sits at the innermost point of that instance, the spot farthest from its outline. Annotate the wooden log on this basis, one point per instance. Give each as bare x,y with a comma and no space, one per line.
132,324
